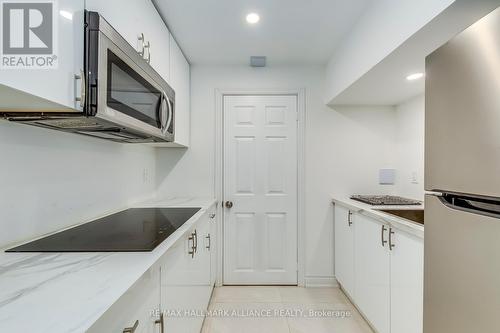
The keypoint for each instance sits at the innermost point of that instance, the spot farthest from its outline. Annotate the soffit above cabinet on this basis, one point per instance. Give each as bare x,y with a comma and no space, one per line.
386,84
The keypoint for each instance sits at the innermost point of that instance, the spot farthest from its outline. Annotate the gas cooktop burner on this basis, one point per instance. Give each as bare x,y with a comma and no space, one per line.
131,230
385,200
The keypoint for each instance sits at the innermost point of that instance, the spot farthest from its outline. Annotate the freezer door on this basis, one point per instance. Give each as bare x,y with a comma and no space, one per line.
462,149
462,270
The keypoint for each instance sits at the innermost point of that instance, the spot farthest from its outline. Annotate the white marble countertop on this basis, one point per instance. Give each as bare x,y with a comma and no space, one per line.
394,221
68,292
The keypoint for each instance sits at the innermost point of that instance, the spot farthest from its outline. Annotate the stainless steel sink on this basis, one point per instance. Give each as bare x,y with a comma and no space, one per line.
415,215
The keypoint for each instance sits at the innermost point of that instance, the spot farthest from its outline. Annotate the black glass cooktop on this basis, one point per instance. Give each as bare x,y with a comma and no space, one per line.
132,230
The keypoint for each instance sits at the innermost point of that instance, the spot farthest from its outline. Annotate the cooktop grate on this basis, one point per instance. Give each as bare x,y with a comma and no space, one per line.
385,200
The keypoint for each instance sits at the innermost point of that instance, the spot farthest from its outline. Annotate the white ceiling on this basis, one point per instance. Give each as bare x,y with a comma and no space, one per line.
289,31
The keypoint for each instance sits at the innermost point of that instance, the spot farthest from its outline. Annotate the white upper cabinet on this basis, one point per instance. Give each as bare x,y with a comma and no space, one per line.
180,81
134,18
344,248
54,84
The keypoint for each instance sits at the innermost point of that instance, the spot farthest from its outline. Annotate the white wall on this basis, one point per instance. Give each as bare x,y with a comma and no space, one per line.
344,148
50,180
410,147
383,27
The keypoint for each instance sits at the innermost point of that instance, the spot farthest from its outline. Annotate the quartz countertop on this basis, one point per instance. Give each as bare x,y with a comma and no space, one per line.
403,224
68,292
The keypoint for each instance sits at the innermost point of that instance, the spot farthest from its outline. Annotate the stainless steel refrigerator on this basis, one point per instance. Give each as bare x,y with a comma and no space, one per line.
462,173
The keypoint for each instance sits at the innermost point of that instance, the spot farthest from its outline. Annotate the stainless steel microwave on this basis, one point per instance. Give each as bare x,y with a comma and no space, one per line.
122,98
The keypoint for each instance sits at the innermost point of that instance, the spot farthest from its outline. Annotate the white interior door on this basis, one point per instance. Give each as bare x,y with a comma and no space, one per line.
260,179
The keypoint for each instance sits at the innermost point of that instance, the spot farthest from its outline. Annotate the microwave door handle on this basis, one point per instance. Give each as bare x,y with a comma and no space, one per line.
159,110
170,113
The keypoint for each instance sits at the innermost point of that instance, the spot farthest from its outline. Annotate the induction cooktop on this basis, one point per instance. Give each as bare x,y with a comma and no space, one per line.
131,230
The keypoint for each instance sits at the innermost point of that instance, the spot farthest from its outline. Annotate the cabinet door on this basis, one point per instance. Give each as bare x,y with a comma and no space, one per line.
127,17
344,248
139,304
185,282
156,32
180,80
407,283
204,257
212,248
372,267
132,18
58,84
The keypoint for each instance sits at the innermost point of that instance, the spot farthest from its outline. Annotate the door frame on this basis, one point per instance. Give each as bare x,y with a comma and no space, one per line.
219,171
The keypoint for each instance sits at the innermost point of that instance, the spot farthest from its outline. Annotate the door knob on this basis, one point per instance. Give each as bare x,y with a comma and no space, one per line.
229,204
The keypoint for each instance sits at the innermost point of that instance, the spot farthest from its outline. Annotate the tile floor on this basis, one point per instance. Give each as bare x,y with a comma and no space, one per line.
282,310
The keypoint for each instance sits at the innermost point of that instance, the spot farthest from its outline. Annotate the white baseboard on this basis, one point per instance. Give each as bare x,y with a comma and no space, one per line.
320,281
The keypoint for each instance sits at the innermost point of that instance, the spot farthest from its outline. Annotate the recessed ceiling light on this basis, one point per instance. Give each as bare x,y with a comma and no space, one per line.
415,76
253,18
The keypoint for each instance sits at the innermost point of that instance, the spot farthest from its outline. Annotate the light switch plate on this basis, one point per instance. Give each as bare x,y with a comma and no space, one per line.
387,176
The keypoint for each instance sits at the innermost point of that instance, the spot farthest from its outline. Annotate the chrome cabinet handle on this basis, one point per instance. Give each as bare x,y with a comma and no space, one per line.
81,99
141,39
131,329
191,239
209,242
161,322
229,204
391,245
349,218
147,46
382,233
195,241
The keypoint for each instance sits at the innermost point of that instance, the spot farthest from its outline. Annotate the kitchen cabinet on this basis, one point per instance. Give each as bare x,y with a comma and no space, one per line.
212,245
137,307
407,283
387,270
180,80
186,285
134,18
372,267
55,87
344,248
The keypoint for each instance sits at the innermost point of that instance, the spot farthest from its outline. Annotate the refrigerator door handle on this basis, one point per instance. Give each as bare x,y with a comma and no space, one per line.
471,204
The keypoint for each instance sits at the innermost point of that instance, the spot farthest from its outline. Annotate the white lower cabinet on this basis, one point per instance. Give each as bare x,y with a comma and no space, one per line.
186,287
344,248
137,308
407,283
372,267
386,282
212,245
174,293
